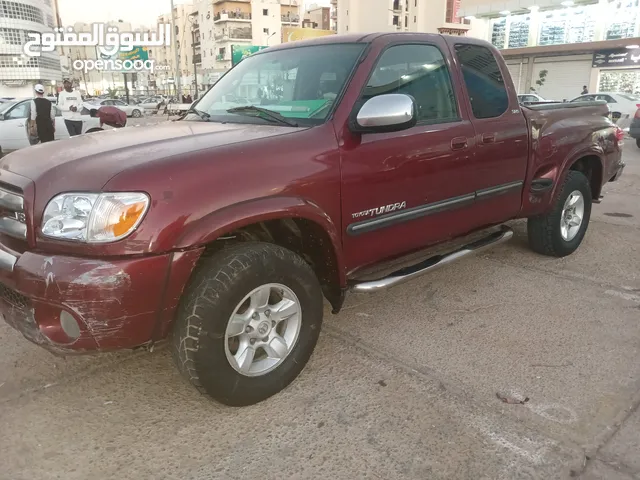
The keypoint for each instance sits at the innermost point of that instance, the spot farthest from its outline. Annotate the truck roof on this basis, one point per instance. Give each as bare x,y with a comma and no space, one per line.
351,38
390,37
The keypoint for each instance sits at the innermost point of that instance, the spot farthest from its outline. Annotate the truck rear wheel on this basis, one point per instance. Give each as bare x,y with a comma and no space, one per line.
247,323
560,232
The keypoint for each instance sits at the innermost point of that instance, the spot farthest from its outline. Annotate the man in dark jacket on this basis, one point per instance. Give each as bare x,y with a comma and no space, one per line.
43,117
112,116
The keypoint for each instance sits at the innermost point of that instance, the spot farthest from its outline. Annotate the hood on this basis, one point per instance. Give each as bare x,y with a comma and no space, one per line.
88,162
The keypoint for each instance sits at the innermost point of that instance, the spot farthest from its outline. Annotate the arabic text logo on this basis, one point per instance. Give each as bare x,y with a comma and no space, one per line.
106,39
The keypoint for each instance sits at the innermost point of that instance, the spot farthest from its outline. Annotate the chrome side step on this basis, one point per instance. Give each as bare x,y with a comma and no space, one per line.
433,263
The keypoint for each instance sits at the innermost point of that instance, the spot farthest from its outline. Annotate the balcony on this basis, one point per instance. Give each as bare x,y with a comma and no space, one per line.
196,44
232,17
197,58
396,6
290,18
233,34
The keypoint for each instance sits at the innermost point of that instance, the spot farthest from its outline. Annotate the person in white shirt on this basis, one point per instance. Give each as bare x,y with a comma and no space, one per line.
43,117
70,102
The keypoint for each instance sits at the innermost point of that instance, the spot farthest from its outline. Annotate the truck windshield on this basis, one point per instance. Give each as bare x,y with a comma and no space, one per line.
300,84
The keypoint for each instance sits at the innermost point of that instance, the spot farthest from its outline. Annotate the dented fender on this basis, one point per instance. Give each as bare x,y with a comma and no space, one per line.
233,217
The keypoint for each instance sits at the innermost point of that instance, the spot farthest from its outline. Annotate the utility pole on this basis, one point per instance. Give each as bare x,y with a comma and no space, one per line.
193,53
177,55
126,87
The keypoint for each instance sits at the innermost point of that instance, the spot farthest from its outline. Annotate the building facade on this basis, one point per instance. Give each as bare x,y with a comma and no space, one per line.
556,47
243,23
317,17
18,72
432,16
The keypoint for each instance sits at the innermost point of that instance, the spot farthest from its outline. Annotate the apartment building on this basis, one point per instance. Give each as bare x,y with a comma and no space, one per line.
576,43
435,16
334,15
187,40
18,72
317,17
246,23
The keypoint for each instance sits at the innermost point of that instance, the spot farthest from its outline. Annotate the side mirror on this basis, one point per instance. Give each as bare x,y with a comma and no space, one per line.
386,113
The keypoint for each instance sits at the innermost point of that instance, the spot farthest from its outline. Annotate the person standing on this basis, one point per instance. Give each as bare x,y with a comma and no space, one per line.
70,102
43,117
584,90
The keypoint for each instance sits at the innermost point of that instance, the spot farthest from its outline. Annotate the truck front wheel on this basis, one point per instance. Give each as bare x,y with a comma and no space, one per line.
560,232
248,323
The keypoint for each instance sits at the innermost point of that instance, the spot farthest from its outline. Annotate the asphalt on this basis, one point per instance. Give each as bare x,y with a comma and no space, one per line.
405,384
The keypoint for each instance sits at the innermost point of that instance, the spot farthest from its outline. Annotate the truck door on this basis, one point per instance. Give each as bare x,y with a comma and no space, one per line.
501,133
404,190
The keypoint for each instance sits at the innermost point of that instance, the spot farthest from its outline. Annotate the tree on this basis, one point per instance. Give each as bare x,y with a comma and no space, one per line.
542,77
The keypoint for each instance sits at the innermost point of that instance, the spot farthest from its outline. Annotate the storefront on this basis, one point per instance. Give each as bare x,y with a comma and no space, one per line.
563,70
617,70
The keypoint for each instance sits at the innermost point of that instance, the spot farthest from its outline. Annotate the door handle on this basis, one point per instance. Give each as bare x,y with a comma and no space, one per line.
459,143
488,138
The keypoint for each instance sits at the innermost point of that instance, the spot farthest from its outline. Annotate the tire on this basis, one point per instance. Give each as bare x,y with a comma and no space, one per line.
545,231
136,114
200,346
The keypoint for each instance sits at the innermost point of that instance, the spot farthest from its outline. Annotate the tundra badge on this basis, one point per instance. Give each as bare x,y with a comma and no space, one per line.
380,210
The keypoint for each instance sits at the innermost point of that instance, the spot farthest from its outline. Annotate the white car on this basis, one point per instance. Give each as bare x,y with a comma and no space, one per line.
623,106
14,125
531,98
131,110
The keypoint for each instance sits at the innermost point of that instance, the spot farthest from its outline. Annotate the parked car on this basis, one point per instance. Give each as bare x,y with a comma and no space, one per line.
14,133
623,105
634,128
131,110
152,103
222,231
527,98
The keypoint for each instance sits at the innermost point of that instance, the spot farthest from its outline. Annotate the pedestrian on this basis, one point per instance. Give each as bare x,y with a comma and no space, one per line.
112,116
70,102
189,99
584,90
42,122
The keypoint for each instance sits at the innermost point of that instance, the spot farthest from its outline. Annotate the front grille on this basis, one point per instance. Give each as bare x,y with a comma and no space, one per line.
14,298
13,221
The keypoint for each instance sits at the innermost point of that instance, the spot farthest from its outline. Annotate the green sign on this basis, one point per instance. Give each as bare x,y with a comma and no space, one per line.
138,53
238,52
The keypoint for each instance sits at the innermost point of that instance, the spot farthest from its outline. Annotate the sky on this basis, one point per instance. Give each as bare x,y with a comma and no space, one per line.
138,12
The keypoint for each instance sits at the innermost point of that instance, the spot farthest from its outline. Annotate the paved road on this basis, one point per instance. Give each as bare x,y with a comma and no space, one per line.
402,384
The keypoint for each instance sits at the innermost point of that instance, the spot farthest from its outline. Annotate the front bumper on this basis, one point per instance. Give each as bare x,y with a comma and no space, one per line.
77,305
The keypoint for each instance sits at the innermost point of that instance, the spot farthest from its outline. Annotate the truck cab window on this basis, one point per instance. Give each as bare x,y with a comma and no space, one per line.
483,79
419,71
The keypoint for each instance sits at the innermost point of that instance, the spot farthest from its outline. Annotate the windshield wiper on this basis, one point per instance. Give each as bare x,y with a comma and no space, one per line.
203,115
270,114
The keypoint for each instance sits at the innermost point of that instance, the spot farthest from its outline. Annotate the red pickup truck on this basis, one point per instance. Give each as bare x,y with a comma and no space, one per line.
310,169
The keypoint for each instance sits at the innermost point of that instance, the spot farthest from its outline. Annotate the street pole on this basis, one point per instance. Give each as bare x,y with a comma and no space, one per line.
193,56
177,55
126,87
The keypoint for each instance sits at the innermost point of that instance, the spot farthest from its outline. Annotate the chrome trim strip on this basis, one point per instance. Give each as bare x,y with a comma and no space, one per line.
7,261
409,214
498,190
433,263
413,213
11,201
13,228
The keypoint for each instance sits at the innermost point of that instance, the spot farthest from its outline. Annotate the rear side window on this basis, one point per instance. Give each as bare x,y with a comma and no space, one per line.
419,71
484,81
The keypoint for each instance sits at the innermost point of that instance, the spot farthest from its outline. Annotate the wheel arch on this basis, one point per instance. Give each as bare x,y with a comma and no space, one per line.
591,165
291,222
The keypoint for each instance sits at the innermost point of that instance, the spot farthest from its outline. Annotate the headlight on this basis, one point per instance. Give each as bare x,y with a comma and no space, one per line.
92,217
